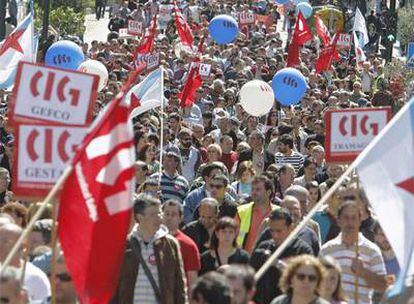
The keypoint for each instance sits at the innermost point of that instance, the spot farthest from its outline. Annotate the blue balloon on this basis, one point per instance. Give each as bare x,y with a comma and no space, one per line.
223,29
64,54
296,2
305,8
281,2
289,86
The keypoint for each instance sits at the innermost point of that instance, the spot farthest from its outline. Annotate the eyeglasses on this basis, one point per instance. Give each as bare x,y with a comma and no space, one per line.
63,277
216,186
186,139
303,276
4,300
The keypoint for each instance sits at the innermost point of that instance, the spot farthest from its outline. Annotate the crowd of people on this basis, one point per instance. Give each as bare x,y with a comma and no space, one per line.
230,187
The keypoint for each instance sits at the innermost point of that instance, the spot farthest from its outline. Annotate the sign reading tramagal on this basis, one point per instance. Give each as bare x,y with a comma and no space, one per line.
53,95
349,131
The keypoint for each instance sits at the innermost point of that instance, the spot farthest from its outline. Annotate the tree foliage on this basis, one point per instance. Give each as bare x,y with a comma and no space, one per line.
65,20
405,25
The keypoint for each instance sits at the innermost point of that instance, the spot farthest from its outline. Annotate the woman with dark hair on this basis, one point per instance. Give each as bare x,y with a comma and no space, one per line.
148,155
332,290
314,193
140,140
301,281
272,118
223,248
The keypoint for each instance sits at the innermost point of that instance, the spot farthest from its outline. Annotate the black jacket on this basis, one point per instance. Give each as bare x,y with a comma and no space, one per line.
269,158
268,286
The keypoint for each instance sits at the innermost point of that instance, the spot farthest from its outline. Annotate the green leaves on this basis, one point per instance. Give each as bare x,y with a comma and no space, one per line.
63,19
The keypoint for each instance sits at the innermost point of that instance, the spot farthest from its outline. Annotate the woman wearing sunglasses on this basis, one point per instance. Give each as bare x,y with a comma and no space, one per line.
301,281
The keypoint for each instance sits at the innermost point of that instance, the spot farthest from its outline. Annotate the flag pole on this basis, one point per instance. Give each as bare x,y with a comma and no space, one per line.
35,217
329,193
53,259
161,124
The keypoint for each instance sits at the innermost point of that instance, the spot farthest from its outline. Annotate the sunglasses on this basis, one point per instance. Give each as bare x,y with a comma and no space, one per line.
4,300
216,186
303,276
64,277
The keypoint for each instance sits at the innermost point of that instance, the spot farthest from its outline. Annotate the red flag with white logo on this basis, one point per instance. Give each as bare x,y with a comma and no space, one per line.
184,31
322,30
194,81
327,55
147,44
300,36
95,204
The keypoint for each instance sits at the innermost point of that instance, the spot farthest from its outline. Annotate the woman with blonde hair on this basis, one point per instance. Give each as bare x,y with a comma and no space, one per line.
301,281
331,285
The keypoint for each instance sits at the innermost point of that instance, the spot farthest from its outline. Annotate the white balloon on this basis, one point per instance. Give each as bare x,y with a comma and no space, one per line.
97,68
257,98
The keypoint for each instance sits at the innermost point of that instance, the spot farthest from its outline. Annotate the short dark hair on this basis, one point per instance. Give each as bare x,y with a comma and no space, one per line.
244,272
223,223
281,214
267,182
213,288
143,201
222,179
209,168
286,139
174,203
174,155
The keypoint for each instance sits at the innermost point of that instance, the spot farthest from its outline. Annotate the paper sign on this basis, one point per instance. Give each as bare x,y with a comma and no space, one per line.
344,40
205,69
246,18
42,153
53,95
349,131
153,61
134,27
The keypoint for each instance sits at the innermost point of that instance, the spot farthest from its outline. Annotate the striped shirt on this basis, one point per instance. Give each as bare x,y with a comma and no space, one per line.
143,291
295,159
372,260
175,187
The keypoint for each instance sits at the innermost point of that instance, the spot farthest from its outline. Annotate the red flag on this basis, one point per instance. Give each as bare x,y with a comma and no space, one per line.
147,44
95,204
301,35
322,30
327,55
193,82
184,31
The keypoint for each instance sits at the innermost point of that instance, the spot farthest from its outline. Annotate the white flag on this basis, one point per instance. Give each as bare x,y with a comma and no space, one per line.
387,176
360,25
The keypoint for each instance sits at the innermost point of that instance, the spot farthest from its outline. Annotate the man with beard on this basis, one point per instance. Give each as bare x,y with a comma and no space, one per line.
190,156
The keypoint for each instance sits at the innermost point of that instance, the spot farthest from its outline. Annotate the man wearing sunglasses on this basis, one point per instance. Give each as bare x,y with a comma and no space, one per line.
65,291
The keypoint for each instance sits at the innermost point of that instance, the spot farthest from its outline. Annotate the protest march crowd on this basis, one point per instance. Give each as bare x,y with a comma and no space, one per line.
218,190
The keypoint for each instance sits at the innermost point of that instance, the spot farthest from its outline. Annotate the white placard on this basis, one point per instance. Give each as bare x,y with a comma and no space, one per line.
246,18
349,131
134,27
344,40
44,151
205,69
53,95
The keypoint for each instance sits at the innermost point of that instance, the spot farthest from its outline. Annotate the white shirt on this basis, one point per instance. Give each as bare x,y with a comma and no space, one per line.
36,283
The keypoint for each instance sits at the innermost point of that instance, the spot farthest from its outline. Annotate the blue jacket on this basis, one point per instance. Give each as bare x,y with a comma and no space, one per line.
191,202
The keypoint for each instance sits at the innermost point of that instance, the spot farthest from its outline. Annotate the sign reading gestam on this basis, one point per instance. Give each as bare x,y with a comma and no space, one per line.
42,153
53,95
349,131
134,27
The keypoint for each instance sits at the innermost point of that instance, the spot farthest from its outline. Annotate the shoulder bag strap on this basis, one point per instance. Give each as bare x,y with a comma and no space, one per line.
136,248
